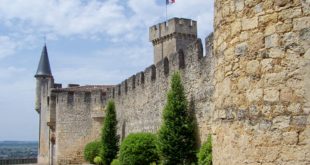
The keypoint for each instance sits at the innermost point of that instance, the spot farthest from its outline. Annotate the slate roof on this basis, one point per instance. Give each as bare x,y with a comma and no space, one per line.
44,68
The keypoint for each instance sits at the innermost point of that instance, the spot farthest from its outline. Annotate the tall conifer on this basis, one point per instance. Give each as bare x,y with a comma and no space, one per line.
109,136
176,138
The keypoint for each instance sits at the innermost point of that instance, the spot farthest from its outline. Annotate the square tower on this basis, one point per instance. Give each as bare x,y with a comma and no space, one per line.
168,37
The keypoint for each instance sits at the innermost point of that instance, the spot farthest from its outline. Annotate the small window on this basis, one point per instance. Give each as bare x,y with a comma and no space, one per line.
48,100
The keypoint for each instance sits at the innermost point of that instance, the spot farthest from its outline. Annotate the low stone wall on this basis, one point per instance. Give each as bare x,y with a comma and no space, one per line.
18,161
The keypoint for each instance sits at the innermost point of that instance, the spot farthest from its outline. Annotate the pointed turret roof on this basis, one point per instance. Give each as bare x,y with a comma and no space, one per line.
44,68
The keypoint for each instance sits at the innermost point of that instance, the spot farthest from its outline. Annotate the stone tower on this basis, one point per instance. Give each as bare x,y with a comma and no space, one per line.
262,94
44,83
168,37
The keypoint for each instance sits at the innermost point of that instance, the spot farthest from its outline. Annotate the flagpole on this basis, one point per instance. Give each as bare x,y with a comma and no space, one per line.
166,11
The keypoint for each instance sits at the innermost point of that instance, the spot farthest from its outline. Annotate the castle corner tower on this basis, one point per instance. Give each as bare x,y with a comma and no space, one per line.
168,37
44,83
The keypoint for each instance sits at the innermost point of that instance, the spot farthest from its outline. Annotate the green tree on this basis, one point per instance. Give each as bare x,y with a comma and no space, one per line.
205,153
109,137
138,149
176,137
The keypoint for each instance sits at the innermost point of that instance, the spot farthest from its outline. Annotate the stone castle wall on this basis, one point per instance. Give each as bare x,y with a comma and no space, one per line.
141,98
79,115
261,82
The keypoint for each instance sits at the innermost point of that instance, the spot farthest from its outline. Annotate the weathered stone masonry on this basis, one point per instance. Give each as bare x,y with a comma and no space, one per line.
140,99
251,89
261,82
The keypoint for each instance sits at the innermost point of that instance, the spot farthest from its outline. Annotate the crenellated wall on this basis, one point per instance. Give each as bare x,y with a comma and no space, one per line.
140,99
79,115
262,68
170,36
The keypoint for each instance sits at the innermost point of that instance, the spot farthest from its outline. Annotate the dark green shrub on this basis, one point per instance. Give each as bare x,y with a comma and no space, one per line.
176,137
109,137
205,153
115,162
138,149
91,150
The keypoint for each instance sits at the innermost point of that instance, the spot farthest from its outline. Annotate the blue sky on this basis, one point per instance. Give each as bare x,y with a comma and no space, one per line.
88,41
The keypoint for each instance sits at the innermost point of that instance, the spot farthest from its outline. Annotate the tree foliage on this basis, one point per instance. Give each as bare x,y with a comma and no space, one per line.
115,162
138,149
205,153
98,160
109,136
91,150
176,137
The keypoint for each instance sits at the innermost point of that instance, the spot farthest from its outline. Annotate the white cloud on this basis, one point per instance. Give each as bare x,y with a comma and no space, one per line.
10,72
7,46
72,17
106,66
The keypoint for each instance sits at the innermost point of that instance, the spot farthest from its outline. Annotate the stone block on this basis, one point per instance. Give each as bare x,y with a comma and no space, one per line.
306,6
244,36
281,3
249,23
307,54
283,27
267,110
269,30
278,109
242,113
239,4
271,95
258,8
252,67
286,94
304,37
290,40
294,108
226,86
274,79
272,41
244,83
280,122
256,41
266,65
265,124
290,138
235,27
276,53
251,3
304,136
241,49
254,95
290,13
299,121
253,111
263,20
301,23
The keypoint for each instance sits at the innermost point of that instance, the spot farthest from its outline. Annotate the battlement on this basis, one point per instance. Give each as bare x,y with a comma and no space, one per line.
190,57
168,37
174,26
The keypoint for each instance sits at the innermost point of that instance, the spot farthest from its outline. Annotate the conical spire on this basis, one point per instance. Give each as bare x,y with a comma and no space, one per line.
44,68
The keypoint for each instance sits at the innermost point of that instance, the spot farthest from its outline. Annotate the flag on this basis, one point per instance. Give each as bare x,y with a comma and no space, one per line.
170,2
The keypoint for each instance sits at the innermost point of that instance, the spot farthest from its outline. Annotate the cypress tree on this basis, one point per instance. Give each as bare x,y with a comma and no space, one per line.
176,137
109,137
